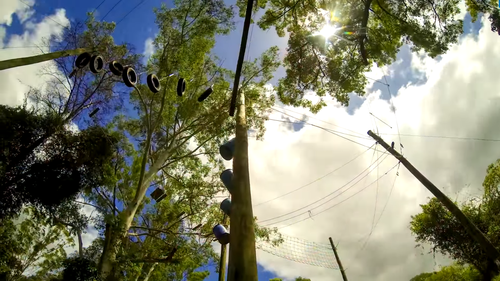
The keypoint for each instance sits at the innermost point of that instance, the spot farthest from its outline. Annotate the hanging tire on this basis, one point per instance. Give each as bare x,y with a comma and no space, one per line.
96,64
82,60
205,94
153,83
116,68
181,87
129,77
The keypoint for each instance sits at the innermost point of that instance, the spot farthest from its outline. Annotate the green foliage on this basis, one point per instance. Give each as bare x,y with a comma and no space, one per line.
29,242
377,29
437,226
172,143
475,7
67,163
80,269
454,272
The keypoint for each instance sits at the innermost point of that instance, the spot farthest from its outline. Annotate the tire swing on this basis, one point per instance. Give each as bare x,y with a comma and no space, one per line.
181,87
82,60
96,64
116,68
129,77
153,83
205,94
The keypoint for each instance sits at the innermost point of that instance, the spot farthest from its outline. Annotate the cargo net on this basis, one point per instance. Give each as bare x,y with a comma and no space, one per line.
301,251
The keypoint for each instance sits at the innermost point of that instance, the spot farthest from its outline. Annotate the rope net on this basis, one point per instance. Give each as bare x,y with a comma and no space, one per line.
301,251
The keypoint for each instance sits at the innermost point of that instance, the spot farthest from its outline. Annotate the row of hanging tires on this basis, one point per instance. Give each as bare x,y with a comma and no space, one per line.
129,76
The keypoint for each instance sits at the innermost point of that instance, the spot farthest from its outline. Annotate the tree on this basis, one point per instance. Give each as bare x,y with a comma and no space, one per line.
371,32
29,242
435,225
161,147
67,164
474,7
454,272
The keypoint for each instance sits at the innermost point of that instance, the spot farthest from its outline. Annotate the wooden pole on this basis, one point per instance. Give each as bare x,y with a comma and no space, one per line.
242,257
342,271
223,256
6,64
469,226
241,56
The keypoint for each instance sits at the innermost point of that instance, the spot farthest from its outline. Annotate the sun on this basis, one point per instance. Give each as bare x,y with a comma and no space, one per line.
327,31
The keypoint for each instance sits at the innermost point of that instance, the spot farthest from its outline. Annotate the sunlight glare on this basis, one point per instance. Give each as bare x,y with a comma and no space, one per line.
327,31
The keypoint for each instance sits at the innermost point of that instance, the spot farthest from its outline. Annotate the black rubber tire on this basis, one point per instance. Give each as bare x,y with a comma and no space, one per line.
96,64
153,83
181,87
129,76
82,60
205,94
116,68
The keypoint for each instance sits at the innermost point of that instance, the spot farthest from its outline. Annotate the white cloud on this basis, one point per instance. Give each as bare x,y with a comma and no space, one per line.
455,101
149,48
23,10
16,81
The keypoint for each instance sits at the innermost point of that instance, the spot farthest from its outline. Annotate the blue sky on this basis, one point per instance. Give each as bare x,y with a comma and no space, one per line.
139,26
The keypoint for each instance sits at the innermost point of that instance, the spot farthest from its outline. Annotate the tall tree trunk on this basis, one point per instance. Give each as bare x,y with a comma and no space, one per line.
6,64
117,235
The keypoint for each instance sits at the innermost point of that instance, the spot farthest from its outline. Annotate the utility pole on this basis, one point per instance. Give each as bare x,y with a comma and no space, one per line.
342,271
223,257
242,257
471,228
6,64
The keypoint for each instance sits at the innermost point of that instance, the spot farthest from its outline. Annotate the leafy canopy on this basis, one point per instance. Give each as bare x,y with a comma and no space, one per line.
372,32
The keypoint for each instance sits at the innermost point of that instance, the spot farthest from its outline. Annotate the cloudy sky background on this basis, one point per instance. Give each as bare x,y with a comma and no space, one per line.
453,96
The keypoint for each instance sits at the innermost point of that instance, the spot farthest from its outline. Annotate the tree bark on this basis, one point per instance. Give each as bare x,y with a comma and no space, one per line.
6,64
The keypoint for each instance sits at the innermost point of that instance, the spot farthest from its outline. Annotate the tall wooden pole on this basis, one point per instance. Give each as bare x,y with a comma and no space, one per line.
342,271
470,227
241,56
6,64
242,257
223,256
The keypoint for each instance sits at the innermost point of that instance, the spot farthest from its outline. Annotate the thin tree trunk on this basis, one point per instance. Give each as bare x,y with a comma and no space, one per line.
6,64
116,236
80,244
150,271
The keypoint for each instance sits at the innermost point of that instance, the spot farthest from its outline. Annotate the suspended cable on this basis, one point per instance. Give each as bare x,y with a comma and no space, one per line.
446,137
326,130
328,195
110,10
361,190
316,180
383,209
129,12
313,117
